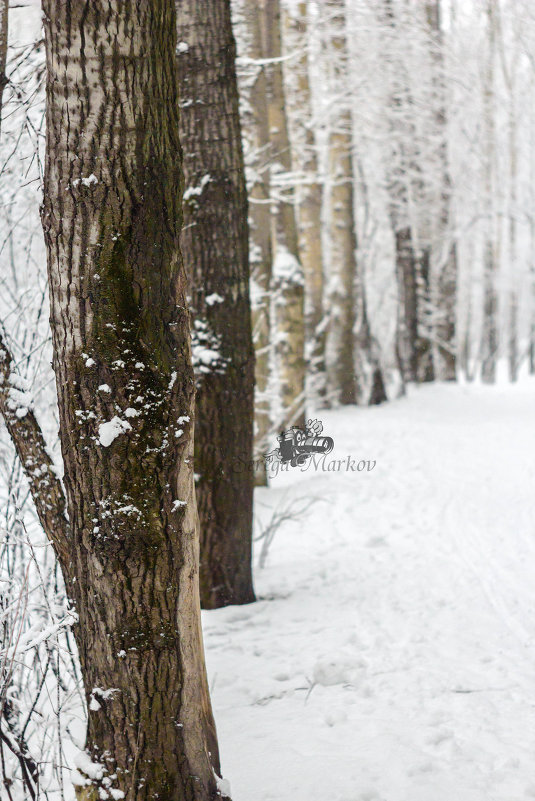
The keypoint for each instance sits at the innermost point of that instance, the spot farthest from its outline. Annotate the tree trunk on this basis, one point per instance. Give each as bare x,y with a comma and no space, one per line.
413,346
407,330
513,294
352,370
532,230
121,337
288,279
309,200
489,337
444,266
215,248
254,114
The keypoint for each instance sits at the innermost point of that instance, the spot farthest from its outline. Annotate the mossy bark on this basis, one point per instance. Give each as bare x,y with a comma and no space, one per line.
215,246
121,336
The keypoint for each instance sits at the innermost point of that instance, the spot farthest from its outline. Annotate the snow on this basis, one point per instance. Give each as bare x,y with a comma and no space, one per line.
390,656
108,432
223,786
213,298
196,191
93,770
286,267
91,179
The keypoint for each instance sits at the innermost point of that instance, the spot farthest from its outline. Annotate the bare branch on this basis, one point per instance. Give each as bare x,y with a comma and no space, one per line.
25,432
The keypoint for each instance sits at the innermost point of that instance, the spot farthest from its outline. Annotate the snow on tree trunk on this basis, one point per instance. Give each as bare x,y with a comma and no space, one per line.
215,248
112,217
353,371
404,179
489,335
288,279
444,265
256,144
309,196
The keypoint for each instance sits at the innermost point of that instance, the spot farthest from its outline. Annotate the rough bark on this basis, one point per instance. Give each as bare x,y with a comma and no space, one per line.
215,249
121,337
288,279
254,114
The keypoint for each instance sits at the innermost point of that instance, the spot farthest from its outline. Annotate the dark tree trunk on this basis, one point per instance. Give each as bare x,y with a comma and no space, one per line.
121,336
215,245
407,333
424,352
491,258
413,346
445,269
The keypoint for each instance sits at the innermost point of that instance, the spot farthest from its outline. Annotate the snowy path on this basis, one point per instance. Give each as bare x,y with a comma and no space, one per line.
393,658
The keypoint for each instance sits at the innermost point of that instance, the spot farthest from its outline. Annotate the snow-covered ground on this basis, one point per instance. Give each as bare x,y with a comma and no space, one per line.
391,656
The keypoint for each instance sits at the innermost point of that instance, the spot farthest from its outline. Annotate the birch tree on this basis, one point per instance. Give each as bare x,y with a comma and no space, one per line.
288,279
216,256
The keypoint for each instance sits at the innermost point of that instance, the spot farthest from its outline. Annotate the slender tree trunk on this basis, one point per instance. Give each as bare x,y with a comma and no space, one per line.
407,331
121,337
215,248
513,294
413,348
353,372
309,201
288,279
489,338
532,230
254,114
444,266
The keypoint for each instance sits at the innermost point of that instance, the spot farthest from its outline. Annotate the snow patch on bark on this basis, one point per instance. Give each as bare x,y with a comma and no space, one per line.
108,432
286,268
